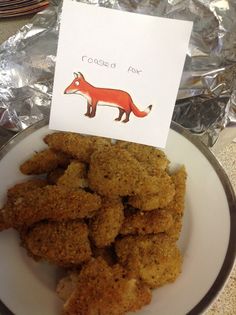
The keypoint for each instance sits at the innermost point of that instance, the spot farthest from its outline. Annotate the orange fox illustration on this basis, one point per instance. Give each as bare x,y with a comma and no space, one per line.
102,96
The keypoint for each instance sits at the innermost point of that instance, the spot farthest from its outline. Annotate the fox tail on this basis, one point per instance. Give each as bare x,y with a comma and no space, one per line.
140,113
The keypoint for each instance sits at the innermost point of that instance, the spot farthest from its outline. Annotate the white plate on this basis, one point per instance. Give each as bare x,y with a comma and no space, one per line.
207,240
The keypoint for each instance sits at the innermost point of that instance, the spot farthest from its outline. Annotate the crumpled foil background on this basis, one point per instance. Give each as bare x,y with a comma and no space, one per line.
206,102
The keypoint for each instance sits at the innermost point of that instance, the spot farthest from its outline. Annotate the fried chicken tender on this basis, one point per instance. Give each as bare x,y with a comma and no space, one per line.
76,145
19,190
61,243
156,186
75,175
104,290
163,192
143,223
179,179
176,206
175,230
54,203
107,222
155,259
44,162
54,175
114,172
151,158
67,284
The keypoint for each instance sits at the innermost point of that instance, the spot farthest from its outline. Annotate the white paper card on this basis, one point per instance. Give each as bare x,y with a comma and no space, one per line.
117,73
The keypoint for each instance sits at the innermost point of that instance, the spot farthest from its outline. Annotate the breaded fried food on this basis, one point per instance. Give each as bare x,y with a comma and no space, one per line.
151,158
157,186
43,162
156,192
19,190
114,172
175,230
106,290
176,206
66,285
151,222
51,202
54,175
155,259
179,179
75,176
75,145
105,225
62,243
15,192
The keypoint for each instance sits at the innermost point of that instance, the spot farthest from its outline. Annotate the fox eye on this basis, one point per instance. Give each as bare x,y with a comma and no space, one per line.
77,83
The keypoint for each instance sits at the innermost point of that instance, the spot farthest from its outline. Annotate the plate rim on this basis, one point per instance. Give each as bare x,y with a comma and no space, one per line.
230,255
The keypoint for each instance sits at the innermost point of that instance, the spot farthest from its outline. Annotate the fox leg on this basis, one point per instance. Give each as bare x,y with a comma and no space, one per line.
94,108
121,112
88,110
126,118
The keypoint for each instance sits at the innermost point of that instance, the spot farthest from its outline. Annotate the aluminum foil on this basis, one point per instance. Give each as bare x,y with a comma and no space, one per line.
206,102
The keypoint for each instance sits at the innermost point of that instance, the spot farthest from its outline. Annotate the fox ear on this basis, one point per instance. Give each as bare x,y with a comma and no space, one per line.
80,75
75,75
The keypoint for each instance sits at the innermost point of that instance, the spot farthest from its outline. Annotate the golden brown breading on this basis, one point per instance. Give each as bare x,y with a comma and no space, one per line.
179,179
150,202
157,185
114,172
75,145
51,202
61,243
155,192
151,222
66,285
19,190
175,230
151,158
99,143
75,175
176,206
43,162
154,258
54,175
105,225
102,290
15,192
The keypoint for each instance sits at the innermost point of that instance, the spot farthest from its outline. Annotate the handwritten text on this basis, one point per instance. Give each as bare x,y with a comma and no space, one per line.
99,62
112,65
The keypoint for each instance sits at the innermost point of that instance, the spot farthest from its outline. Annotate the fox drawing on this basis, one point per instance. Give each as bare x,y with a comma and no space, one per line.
102,96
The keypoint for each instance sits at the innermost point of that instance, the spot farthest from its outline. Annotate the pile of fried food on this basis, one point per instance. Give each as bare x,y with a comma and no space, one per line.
109,213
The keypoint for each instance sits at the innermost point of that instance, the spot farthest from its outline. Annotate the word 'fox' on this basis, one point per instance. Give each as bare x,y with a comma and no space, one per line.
101,96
